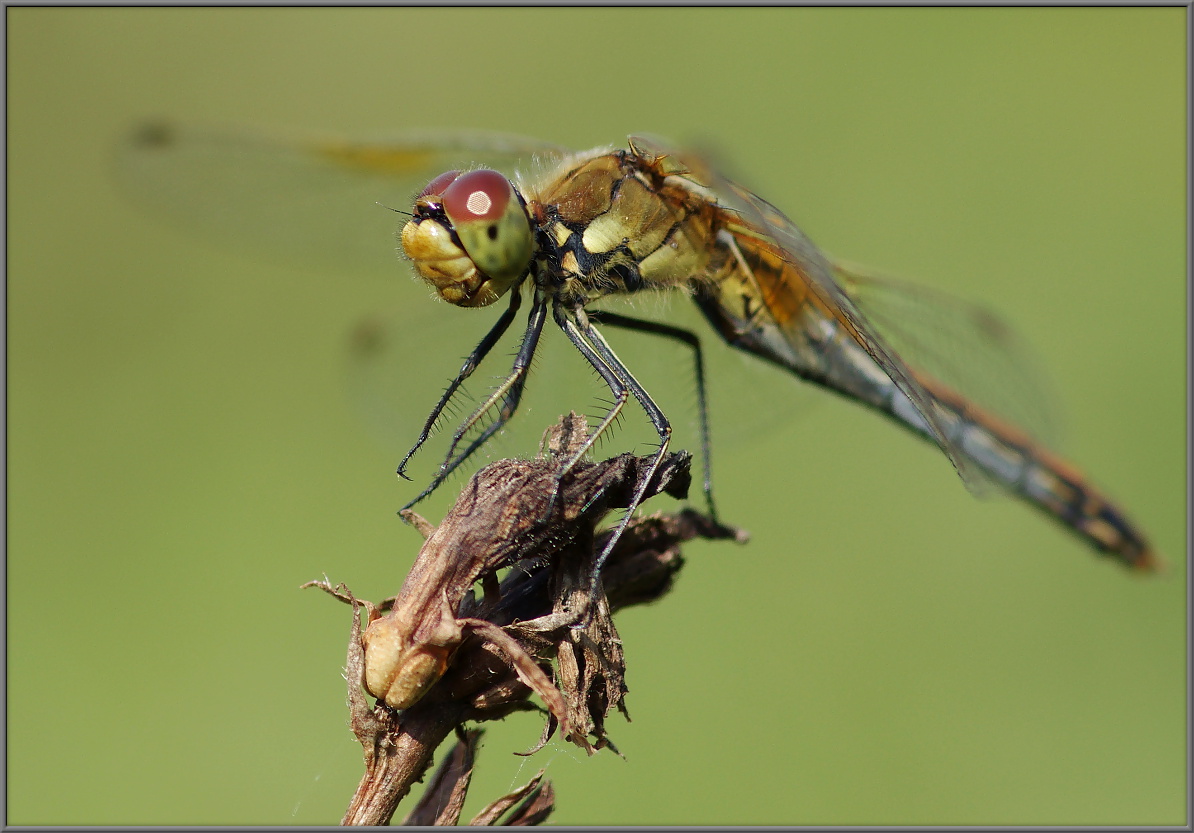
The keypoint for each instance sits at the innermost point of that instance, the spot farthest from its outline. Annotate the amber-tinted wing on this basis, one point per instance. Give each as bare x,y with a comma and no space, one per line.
751,218
299,197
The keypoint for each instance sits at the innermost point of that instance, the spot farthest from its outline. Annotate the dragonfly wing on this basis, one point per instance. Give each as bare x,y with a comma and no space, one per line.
823,313
302,198
965,345
311,201
750,216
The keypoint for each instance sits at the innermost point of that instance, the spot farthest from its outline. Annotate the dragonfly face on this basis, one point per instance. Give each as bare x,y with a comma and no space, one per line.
610,222
470,237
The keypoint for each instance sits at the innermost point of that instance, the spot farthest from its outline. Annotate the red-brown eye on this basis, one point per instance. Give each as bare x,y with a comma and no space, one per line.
484,231
477,195
436,186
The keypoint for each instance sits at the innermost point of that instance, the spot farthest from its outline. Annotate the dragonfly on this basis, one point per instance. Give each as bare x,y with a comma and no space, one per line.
497,216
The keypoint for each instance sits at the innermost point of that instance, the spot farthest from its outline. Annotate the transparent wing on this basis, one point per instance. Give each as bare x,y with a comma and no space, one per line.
965,345
758,218
302,198
313,202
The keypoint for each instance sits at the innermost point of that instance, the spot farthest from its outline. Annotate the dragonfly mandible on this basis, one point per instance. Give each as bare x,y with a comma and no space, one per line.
576,228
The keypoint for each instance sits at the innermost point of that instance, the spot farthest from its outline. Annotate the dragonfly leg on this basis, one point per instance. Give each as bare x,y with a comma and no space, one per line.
612,378
621,382
693,341
471,363
509,393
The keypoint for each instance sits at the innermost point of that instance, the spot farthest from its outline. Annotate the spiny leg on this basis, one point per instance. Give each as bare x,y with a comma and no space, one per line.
509,391
692,341
471,362
658,420
568,322
593,347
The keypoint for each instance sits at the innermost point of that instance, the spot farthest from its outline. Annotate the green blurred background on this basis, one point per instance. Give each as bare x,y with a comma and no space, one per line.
887,650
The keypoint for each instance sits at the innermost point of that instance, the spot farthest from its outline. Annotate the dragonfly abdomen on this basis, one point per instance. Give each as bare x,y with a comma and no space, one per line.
818,347
1012,460
1004,454
760,301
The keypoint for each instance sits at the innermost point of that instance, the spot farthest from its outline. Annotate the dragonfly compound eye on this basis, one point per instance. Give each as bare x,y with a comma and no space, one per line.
492,223
484,246
435,188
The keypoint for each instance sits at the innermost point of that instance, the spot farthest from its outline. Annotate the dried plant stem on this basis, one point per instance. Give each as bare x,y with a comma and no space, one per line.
437,656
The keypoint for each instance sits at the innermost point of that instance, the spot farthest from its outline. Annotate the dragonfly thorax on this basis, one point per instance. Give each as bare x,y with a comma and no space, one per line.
470,237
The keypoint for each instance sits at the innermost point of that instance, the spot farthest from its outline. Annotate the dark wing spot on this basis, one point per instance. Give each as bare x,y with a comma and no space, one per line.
155,134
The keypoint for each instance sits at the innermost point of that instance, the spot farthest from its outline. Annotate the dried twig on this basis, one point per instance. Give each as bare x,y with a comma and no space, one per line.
437,655
443,800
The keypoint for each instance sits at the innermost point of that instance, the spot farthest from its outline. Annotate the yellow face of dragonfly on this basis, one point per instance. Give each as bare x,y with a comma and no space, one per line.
470,237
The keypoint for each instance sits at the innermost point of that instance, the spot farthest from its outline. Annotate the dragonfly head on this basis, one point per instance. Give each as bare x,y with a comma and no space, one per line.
470,237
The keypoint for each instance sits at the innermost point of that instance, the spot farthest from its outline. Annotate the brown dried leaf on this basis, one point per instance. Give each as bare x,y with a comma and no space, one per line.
538,800
534,809
525,667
